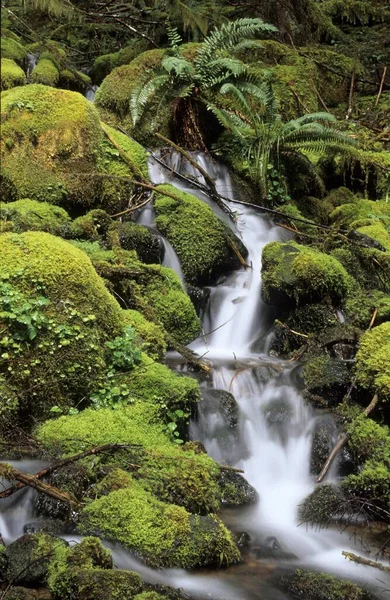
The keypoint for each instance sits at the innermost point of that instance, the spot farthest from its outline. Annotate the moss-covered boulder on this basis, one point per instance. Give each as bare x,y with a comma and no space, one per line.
205,246
53,149
46,72
11,74
29,556
372,361
361,212
162,535
11,46
56,319
30,215
323,505
93,226
152,336
325,379
131,236
153,290
295,274
321,586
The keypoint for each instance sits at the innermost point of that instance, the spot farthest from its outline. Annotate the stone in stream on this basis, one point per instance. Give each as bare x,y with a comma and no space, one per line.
235,489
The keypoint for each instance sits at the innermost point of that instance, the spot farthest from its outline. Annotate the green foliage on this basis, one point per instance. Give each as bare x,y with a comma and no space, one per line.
11,74
360,307
123,352
152,336
93,226
30,215
203,243
372,487
300,274
369,440
372,361
23,316
163,534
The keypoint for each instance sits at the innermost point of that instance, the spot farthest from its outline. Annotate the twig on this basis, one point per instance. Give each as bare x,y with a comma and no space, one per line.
350,97
381,86
365,561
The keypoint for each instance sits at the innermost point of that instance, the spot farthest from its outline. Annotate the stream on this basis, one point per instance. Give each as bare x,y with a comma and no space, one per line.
272,441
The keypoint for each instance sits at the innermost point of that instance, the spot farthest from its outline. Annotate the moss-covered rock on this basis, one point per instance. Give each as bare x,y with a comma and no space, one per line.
11,47
53,149
235,490
370,488
93,226
361,304
360,213
89,584
46,72
11,74
104,64
30,215
155,291
55,346
162,534
131,236
205,245
9,405
322,505
377,232
294,274
325,379
372,361
339,196
34,552
320,586
152,336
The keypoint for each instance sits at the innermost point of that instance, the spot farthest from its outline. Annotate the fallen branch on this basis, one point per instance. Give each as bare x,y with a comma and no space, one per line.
66,461
341,442
124,156
10,473
188,354
381,86
365,561
350,97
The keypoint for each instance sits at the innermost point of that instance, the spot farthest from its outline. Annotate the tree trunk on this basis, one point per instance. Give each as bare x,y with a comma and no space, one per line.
187,131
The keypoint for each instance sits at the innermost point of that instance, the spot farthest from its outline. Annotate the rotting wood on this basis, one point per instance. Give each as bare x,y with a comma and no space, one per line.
341,441
365,561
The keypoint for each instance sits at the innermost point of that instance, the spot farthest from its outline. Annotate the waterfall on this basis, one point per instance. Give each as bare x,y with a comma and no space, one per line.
90,92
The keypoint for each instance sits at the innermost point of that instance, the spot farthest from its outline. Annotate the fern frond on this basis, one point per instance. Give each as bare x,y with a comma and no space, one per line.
55,8
144,94
180,67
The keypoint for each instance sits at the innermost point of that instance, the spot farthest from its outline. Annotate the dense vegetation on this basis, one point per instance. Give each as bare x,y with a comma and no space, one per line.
294,96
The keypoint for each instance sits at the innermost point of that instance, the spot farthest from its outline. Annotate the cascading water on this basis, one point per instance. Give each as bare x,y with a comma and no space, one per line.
90,92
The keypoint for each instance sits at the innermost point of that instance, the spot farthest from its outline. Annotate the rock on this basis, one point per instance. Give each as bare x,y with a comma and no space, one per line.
324,437
270,547
199,296
30,215
322,505
215,400
204,244
235,490
325,379
243,539
11,74
312,585
138,237
294,274
29,556
22,593
90,584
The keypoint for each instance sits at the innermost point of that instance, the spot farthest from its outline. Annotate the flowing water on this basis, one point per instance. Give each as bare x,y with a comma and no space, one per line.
273,438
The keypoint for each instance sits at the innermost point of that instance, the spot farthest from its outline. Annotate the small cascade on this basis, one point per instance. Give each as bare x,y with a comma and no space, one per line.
90,92
31,63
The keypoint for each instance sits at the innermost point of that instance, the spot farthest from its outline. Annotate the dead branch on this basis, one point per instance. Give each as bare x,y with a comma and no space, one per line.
66,461
133,166
341,442
350,97
10,473
365,561
188,354
381,86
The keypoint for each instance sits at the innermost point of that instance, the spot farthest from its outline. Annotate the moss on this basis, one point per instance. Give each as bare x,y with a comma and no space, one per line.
89,584
322,505
325,379
203,243
30,215
293,273
72,315
360,210
320,586
339,196
12,48
377,232
162,534
92,227
9,405
11,74
152,336
150,596
103,65
50,137
46,72
74,80
371,487
153,290
360,307
369,440
131,236
135,155
372,361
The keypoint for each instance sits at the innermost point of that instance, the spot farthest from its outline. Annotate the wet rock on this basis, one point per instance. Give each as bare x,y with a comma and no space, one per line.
140,238
270,547
90,584
322,505
22,593
28,558
199,297
235,490
324,436
325,379
214,400
243,539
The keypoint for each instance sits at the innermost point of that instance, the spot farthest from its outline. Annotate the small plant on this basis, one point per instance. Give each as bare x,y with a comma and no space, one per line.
108,396
23,316
124,354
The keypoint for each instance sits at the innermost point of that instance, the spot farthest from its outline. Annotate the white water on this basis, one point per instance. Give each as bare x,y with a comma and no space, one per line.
90,92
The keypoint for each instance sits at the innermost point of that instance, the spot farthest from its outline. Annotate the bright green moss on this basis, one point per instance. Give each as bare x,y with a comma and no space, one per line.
321,586
377,232
46,72
30,215
49,138
360,307
103,65
203,243
54,358
153,290
135,155
11,74
360,210
372,361
372,484
74,80
163,535
92,227
12,48
150,596
369,440
152,335
294,273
